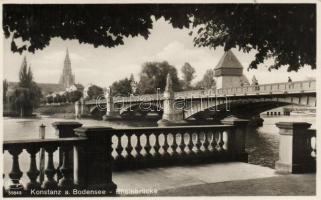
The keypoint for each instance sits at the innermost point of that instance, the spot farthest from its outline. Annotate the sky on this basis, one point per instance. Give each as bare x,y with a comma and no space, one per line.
102,66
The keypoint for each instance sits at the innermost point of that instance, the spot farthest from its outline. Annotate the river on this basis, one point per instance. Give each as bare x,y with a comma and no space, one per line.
261,143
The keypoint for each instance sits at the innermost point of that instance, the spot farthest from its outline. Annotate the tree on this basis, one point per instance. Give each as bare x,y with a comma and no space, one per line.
188,75
28,94
94,91
286,32
208,81
25,75
5,89
74,96
153,76
121,88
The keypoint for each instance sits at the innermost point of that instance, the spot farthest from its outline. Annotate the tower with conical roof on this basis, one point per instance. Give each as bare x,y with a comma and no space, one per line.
229,72
67,79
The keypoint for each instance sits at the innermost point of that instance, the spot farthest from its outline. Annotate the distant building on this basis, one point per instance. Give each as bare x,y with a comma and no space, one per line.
229,72
67,79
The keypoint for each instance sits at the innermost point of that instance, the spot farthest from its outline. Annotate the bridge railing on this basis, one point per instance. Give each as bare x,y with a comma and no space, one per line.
296,86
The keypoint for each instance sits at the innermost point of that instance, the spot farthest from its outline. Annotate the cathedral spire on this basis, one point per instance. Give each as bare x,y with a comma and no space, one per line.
67,78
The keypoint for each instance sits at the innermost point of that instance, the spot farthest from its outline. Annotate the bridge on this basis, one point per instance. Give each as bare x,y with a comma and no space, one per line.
176,107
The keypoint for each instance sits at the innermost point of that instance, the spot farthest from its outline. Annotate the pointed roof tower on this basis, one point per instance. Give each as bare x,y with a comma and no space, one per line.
67,78
228,65
67,59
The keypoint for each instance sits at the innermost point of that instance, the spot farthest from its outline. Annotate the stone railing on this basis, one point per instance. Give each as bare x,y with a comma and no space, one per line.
160,146
297,149
88,155
65,159
55,178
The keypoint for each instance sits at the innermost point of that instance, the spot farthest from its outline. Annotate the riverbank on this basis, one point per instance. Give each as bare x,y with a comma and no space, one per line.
66,111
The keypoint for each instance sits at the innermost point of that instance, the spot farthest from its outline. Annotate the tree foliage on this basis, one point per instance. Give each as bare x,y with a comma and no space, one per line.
285,32
94,91
153,76
122,87
208,81
28,94
188,75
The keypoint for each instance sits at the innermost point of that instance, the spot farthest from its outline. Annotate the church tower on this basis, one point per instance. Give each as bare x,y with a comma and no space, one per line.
67,79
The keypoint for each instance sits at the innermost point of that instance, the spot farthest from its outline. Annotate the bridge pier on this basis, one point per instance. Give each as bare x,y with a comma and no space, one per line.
171,115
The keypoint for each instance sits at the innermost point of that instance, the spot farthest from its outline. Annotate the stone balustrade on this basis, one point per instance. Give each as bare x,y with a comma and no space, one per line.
297,149
162,146
88,155
32,147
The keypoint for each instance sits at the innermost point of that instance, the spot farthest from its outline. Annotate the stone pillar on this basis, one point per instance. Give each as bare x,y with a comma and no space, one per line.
77,109
237,138
292,148
65,130
171,116
110,109
95,159
82,104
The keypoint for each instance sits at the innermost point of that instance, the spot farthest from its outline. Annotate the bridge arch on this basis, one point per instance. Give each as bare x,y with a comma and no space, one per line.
142,108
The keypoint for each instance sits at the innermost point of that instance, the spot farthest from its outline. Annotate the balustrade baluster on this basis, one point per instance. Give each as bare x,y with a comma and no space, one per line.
165,146
15,174
174,145
182,144
206,143
148,147
129,148
190,143
213,142
198,142
50,170
139,147
119,148
66,169
157,146
33,172
220,142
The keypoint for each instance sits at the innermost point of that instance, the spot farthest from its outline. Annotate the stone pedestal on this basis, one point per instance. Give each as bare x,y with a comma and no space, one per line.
237,138
172,116
95,159
65,130
111,114
292,148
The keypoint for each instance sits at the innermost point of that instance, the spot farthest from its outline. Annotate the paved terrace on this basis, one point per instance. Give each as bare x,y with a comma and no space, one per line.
227,179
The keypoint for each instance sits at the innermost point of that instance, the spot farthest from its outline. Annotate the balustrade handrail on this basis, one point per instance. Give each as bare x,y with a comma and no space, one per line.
7,144
200,127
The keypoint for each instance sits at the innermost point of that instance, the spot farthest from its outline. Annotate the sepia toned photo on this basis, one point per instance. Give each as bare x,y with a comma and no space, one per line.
154,99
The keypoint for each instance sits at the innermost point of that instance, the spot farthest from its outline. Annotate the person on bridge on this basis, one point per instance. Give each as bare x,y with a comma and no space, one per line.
290,81
255,83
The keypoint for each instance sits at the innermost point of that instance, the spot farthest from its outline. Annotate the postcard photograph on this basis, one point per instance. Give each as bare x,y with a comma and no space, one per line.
159,99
